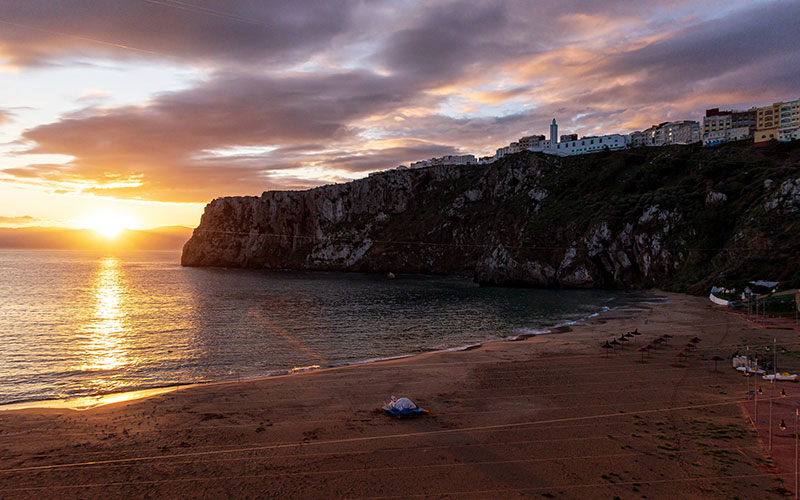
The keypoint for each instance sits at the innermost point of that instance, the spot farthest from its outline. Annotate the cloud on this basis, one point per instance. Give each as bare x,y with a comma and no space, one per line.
20,220
40,31
160,151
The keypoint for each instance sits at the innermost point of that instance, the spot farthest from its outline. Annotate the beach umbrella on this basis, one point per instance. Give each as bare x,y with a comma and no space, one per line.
607,346
667,335
643,350
681,355
689,346
636,332
614,342
650,346
715,358
694,340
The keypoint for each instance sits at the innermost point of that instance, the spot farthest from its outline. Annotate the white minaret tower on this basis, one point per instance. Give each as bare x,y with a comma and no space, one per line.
553,134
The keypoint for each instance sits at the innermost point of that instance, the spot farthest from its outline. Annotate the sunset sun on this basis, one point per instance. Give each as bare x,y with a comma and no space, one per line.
109,224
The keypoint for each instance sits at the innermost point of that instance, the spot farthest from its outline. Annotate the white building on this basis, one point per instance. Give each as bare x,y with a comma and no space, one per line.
667,133
612,142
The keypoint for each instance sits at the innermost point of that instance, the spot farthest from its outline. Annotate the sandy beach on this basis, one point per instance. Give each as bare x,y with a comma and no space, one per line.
551,416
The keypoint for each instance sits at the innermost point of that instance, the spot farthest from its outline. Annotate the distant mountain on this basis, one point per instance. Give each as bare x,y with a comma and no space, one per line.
56,238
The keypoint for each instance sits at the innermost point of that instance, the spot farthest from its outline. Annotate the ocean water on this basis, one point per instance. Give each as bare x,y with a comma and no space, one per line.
78,324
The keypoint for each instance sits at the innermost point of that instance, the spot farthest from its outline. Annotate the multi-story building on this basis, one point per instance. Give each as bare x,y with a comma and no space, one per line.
789,121
569,137
741,119
530,141
780,121
638,139
667,133
720,127
767,120
681,132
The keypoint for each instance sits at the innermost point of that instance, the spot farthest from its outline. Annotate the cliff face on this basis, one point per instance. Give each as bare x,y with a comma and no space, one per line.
680,217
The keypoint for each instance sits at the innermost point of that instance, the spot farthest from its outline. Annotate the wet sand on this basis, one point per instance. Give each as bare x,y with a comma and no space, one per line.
550,416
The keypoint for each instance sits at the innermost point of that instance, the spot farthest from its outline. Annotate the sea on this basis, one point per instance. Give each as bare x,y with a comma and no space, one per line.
77,324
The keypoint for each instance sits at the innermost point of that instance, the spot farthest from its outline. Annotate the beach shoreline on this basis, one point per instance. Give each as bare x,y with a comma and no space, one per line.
549,416
94,400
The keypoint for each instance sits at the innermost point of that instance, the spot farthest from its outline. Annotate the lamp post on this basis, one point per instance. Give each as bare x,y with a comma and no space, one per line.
774,357
771,395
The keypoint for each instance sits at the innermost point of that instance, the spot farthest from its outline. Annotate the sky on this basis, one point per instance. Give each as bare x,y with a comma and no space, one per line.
149,109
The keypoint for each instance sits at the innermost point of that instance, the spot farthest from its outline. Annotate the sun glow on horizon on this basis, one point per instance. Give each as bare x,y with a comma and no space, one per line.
110,224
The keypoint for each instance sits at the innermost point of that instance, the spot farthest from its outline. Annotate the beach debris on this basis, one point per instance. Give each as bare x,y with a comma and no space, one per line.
402,407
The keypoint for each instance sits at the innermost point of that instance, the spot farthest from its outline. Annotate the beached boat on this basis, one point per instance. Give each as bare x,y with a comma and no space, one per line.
781,376
750,370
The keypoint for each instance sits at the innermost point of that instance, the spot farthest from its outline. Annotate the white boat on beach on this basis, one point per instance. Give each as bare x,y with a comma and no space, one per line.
751,370
781,376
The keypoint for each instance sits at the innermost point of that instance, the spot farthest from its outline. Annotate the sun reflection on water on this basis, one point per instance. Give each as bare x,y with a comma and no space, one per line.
106,347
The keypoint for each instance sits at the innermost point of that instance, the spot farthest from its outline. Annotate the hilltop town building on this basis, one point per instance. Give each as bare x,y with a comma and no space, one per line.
530,141
592,144
446,160
780,121
720,127
667,133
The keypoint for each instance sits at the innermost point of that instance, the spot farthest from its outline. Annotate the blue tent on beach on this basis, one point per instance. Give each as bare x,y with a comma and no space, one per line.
403,407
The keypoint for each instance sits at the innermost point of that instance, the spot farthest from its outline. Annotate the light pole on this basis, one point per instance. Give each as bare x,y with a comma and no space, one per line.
775,358
771,395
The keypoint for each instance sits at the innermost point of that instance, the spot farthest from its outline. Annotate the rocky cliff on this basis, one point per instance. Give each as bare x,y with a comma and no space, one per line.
679,217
